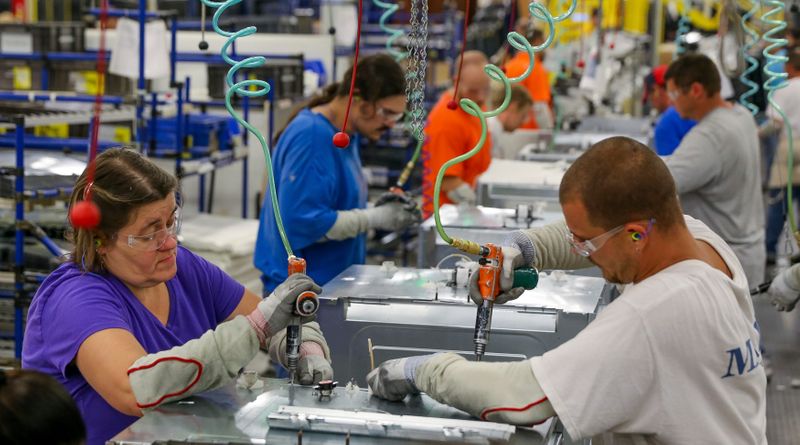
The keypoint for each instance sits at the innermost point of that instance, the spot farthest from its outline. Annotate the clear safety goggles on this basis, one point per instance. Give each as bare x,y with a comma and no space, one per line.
155,241
588,247
390,116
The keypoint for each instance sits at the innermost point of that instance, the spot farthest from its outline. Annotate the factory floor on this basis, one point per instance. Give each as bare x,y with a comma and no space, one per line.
781,340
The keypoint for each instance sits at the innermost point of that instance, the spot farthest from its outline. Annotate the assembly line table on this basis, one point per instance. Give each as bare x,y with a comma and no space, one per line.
235,415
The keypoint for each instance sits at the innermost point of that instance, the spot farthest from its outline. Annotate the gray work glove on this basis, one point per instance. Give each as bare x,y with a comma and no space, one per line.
394,379
278,307
512,259
312,368
314,363
783,293
403,198
463,194
392,216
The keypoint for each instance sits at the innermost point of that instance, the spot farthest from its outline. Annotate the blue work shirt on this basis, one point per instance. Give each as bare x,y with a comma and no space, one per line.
314,179
670,130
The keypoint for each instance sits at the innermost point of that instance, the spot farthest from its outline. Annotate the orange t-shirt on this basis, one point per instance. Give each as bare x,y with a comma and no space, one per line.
537,83
450,133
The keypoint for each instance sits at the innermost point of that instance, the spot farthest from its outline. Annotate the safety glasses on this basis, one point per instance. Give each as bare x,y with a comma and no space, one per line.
588,247
154,241
390,116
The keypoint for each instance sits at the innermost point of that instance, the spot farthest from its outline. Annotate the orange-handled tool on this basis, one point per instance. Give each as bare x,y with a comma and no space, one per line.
491,266
306,305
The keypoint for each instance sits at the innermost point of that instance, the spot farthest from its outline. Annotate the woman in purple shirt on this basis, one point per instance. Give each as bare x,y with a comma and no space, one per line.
133,320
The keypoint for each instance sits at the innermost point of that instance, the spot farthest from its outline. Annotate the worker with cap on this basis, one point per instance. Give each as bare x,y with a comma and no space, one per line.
672,360
670,127
452,132
717,166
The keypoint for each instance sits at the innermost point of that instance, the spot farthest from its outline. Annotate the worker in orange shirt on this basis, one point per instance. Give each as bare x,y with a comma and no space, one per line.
537,83
453,132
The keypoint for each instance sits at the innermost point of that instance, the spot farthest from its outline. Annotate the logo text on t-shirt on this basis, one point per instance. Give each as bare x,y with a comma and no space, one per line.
743,360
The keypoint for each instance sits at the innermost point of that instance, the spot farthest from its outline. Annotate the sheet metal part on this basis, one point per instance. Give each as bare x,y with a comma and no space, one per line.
388,425
231,415
413,311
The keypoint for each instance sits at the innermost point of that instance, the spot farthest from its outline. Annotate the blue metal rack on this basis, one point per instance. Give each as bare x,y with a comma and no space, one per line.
18,141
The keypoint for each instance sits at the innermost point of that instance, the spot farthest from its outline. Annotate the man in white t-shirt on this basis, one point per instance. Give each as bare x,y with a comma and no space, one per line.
717,167
786,99
673,360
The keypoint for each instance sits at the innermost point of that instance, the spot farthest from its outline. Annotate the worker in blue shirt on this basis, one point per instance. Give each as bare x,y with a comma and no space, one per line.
322,192
670,127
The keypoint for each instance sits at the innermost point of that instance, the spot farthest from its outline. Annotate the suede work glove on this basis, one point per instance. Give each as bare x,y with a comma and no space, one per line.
512,259
393,380
275,312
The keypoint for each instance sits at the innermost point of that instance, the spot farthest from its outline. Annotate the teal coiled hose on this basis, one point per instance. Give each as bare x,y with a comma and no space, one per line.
750,61
241,88
683,29
775,81
519,42
394,33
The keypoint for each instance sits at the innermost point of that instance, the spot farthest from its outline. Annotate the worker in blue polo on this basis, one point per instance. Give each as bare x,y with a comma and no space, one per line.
322,192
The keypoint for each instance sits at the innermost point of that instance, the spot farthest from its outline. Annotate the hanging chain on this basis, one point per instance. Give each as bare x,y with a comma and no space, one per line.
417,66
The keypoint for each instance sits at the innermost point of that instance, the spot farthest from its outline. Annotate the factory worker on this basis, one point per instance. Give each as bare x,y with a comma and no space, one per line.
673,360
717,166
518,111
133,320
786,99
321,188
670,127
452,132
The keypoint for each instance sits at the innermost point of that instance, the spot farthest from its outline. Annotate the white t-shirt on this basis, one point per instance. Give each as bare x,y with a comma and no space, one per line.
786,98
674,360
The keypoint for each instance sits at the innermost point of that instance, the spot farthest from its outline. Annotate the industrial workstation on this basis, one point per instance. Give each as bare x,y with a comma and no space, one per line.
556,222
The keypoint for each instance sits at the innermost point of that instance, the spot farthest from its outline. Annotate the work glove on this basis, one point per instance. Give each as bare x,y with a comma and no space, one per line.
783,293
392,216
314,363
512,259
394,379
463,195
278,308
403,198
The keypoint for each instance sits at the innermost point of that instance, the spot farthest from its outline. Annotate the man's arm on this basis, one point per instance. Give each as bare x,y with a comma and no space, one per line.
497,392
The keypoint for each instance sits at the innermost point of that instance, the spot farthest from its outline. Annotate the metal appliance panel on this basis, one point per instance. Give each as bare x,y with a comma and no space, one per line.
413,311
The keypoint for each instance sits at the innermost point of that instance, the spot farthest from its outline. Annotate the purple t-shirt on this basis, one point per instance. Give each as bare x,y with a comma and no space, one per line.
70,306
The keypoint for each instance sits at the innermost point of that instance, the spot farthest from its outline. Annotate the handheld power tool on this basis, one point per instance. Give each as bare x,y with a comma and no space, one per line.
491,265
306,305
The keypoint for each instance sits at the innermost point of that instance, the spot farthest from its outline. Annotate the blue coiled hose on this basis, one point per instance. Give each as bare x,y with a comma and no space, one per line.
394,33
242,89
775,81
520,43
750,61
683,28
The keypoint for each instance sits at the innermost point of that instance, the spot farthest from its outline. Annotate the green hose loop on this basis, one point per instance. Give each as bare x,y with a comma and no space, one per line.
470,107
241,88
